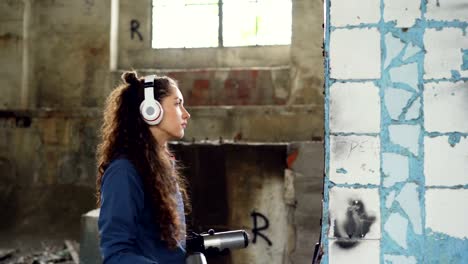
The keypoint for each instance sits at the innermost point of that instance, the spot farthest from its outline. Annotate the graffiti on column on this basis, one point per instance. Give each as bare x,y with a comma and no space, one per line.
134,25
356,225
256,228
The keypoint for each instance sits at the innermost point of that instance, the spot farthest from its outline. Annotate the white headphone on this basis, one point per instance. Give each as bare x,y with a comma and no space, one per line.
150,109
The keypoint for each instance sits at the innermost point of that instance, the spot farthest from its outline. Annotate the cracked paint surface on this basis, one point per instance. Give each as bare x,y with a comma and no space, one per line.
419,169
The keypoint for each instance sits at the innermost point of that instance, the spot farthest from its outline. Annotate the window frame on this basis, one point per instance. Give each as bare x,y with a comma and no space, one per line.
127,52
220,32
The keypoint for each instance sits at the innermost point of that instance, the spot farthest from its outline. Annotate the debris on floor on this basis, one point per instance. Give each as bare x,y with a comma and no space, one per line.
6,253
66,254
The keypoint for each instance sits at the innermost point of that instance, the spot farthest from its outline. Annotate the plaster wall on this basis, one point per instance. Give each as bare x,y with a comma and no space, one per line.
11,52
395,126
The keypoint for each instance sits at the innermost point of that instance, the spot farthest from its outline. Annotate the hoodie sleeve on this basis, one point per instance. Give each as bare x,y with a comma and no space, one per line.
122,200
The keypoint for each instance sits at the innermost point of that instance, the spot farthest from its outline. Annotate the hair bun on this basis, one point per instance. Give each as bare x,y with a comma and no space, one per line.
130,77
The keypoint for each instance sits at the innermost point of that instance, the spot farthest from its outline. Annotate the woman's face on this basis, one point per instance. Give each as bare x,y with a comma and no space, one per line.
175,117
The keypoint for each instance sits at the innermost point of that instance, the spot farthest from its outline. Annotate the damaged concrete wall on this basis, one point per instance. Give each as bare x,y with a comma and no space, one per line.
11,52
56,55
57,69
278,76
47,170
273,191
305,171
71,50
222,86
396,132
54,72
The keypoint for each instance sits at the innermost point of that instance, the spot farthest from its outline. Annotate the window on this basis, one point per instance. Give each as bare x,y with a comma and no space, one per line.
220,23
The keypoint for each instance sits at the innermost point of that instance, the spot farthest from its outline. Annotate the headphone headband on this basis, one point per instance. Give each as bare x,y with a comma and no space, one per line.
149,81
149,87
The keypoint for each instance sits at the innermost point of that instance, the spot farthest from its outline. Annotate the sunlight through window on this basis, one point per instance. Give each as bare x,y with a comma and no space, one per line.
201,23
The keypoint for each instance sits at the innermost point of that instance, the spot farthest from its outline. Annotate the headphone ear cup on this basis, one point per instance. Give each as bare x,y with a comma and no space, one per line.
151,111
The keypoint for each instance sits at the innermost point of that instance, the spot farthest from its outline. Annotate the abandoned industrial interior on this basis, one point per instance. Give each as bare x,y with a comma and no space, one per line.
256,106
315,131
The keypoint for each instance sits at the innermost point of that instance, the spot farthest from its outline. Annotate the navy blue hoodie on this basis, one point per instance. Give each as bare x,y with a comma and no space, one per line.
128,233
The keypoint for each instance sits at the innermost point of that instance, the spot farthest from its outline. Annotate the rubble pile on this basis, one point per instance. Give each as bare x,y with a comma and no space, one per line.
66,254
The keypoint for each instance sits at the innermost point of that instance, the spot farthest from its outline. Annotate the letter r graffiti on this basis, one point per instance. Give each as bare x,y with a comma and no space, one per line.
256,230
134,25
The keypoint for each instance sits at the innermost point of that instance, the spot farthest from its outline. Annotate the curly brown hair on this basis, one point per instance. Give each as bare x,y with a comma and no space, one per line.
125,133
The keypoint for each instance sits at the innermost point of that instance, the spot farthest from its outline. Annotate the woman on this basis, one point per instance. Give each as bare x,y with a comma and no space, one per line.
139,189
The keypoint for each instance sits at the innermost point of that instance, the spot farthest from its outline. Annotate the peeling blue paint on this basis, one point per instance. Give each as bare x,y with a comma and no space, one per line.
414,110
362,25
354,134
410,51
454,139
390,198
395,168
406,74
405,136
454,187
402,64
342,171
439,25
464,65
440,134
352,186
399,259
394,47
412,115
412,35
455,74
465,79
441,248
395,101
408,199
396,227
